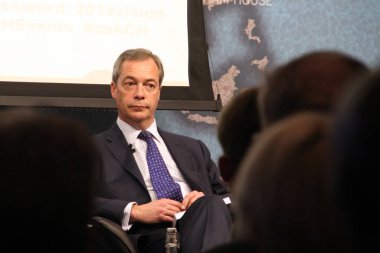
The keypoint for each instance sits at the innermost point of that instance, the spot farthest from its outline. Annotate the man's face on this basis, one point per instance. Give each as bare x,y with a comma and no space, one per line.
137,92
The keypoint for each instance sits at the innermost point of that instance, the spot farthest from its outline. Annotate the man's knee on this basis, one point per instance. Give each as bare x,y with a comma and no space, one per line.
209,205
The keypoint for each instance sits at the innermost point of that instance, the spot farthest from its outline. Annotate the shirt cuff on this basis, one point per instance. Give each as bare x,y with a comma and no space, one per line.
127,215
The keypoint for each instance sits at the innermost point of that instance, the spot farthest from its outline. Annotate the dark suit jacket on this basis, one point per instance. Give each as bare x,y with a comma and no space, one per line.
121,182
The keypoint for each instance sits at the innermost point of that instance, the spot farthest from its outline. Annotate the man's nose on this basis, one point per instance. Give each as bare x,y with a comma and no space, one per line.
139,92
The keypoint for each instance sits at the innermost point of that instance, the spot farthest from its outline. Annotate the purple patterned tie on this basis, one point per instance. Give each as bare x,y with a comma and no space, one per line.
163,183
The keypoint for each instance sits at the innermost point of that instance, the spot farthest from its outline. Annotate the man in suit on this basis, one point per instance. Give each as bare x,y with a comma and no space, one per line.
127,192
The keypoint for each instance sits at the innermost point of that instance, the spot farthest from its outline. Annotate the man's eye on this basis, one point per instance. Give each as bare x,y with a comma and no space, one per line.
150,86
129,85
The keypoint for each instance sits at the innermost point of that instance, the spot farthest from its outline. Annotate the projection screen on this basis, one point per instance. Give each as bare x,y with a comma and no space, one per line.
67,48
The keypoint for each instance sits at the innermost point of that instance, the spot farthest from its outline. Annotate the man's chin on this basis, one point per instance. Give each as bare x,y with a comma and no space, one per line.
138,116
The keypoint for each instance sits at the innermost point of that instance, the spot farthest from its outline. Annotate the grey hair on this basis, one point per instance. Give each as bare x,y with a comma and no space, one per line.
133,55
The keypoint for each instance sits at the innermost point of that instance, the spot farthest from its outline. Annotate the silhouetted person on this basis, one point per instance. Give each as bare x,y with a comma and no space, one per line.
46,179
283,194
356,138
238,122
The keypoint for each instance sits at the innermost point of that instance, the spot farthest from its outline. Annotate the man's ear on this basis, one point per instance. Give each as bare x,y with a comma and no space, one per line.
113,89
159,92
226,168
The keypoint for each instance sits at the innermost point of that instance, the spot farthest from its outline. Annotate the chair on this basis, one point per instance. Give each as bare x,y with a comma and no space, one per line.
108,237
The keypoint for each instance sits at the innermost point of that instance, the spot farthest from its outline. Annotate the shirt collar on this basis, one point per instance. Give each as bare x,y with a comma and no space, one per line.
130,133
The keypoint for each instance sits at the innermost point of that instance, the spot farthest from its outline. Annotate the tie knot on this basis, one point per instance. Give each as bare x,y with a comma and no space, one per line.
145,135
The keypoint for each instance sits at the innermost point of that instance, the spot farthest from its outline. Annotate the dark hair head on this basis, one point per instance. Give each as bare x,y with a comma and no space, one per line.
46,176
283,198
310,82
237,122
356,139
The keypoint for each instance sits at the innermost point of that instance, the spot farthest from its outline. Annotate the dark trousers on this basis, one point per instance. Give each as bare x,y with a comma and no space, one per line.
207,223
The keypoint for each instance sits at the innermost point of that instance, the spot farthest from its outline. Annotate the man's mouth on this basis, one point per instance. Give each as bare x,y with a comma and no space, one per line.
139,106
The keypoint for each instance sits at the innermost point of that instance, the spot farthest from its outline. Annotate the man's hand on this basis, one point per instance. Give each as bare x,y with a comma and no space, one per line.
156,211
190,198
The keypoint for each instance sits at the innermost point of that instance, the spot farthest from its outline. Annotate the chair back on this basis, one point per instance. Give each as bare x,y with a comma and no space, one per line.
107,236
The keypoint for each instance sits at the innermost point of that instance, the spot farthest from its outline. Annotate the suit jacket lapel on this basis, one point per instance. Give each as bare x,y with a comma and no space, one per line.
118,146
183,159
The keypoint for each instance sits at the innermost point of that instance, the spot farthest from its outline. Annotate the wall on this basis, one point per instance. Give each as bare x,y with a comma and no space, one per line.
248,37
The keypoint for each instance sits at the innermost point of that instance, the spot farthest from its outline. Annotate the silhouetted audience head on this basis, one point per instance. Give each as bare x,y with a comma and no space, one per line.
283,198
237,123
45,182
356,138
312,81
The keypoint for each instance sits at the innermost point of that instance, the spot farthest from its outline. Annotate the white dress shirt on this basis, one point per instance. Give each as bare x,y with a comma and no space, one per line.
140,146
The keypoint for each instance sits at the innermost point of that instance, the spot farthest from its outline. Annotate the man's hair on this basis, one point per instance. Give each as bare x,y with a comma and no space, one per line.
312,81
136,54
